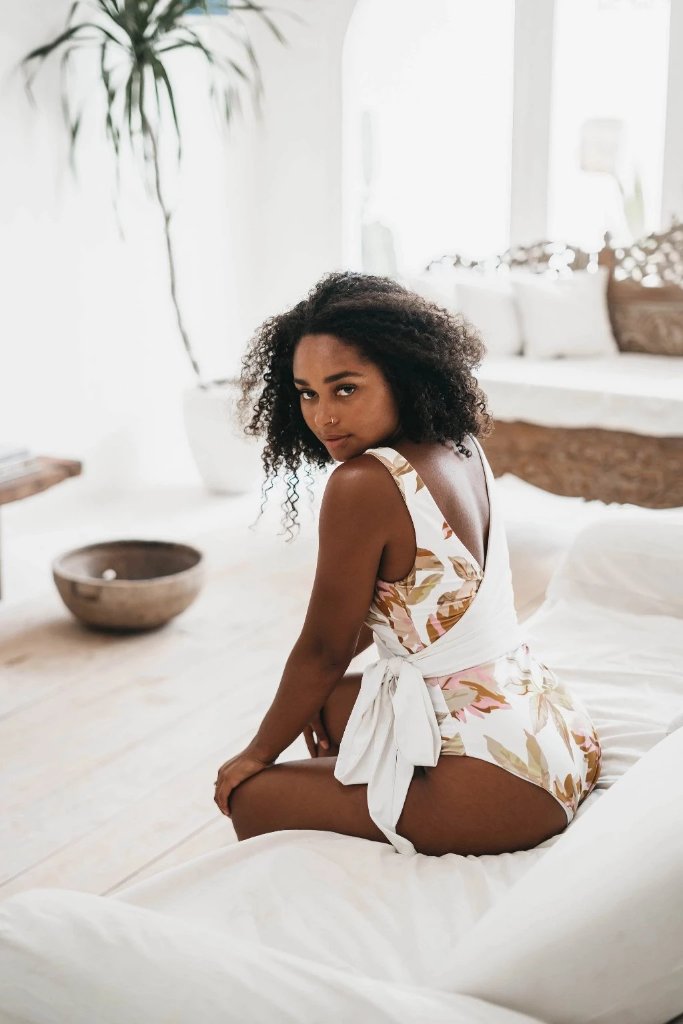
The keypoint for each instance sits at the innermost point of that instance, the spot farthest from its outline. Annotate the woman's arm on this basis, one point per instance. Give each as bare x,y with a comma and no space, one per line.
365,638
352,535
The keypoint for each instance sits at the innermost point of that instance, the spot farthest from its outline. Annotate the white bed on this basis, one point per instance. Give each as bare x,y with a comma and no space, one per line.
303,926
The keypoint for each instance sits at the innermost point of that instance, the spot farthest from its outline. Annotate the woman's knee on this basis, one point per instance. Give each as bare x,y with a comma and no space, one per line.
244,804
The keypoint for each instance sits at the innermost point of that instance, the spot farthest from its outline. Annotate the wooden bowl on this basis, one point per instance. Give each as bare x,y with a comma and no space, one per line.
129,584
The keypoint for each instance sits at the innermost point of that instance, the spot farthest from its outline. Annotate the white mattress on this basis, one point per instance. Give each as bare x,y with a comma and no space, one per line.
632,391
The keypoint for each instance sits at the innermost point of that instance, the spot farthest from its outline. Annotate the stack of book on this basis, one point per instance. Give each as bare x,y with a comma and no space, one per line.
16,462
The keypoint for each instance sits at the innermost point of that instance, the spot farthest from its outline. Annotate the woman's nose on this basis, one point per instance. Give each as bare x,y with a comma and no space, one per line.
322,415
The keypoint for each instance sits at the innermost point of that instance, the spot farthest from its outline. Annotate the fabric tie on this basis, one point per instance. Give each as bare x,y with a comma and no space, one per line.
392,728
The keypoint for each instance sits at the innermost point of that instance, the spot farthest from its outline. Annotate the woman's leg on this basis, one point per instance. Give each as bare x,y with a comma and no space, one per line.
462,805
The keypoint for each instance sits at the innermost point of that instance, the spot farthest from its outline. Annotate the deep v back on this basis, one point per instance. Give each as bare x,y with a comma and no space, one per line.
421,484
445,576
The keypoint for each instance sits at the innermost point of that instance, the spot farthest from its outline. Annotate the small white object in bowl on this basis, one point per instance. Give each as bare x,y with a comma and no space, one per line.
109,574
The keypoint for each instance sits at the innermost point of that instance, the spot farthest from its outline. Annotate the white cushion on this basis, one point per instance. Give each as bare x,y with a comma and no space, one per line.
437,285
617,562
564,316
78,958
632,391
594,933
487,300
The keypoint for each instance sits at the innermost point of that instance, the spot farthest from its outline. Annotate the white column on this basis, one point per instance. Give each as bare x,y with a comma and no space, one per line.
534,21
672,183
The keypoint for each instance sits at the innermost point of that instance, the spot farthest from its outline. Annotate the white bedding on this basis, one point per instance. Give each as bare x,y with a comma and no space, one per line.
359,916
635,392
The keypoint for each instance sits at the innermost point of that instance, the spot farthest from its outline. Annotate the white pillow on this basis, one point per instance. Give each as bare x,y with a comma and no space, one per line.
74,957
437,285
564,316
488,301
630,560
594,931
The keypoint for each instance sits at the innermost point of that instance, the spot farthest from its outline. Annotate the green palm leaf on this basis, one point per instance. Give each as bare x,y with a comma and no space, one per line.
132,37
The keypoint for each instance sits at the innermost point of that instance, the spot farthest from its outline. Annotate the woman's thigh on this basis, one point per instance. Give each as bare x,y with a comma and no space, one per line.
468,805
463,805
301,795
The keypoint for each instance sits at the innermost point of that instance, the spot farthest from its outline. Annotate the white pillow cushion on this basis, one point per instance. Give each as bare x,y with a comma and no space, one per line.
564,316
73,957
488,301
594,932
630,559
437,285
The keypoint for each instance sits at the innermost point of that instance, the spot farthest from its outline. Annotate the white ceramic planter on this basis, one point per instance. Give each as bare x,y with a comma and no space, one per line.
228,460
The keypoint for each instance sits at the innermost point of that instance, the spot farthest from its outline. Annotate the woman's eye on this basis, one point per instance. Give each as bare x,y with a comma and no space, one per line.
342,387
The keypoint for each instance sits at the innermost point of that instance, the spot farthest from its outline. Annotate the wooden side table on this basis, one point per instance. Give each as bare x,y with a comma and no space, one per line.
49,472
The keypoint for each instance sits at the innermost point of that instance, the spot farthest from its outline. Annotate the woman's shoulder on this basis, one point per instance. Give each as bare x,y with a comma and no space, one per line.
365,479
365,468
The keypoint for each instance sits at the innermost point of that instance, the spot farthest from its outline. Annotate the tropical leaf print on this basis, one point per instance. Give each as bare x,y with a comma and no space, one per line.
538,708
464,569
450,608
522,674
538,766
589,745
426,559
421,591
507,758
561,726
567,793
446,531
554,689
391,608
453,745
473,698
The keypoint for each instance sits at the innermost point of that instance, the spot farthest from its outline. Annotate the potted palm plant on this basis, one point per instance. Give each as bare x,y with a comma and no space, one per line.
131,39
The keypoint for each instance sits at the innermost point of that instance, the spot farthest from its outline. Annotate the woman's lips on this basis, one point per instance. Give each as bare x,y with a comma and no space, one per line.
338,440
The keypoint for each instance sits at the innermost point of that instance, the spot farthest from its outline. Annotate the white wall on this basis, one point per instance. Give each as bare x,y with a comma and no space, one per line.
91,363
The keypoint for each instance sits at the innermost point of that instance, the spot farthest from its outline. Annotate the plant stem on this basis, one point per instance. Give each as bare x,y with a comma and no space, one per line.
169,251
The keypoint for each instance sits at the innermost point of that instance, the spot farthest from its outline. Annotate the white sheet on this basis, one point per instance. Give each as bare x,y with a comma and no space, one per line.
636,392
75,958
610,627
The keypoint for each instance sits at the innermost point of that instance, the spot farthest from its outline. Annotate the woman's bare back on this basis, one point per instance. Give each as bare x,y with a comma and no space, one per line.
458,486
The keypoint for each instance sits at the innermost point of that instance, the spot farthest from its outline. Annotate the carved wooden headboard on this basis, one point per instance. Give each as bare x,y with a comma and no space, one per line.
645,286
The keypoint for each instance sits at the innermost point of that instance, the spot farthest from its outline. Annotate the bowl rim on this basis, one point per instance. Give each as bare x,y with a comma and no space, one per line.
74,577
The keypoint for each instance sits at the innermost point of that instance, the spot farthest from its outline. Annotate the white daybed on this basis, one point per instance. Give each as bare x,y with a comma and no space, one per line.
305,926
607,427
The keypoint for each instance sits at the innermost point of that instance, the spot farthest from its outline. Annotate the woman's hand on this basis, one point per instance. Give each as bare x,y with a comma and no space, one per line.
240,767
316,728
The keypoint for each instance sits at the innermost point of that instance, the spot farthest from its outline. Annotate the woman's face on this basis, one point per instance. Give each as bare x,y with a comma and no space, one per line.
343,395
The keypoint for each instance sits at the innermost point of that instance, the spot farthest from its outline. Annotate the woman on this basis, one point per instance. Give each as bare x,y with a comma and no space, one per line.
457,739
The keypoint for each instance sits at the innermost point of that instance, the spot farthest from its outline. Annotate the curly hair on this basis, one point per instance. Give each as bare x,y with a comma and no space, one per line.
425,352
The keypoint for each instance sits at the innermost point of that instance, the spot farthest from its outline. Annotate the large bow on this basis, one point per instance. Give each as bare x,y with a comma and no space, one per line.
392,728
